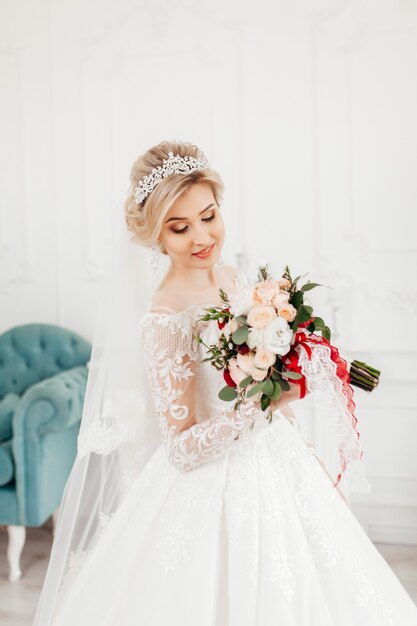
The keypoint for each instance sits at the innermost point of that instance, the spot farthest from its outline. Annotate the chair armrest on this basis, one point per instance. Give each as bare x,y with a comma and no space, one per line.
51,405
45,427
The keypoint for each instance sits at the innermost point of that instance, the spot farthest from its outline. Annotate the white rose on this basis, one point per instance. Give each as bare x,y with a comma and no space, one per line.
255,338
277,336
264,359
229,328
241,302
258,374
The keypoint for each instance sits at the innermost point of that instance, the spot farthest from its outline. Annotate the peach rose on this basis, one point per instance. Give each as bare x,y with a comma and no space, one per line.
287,311
264,292
264,359
245,361
236,374
284,283
261,316
258,374
281,298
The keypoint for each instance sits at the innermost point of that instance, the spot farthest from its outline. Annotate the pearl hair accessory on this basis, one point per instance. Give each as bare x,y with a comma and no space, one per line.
173,165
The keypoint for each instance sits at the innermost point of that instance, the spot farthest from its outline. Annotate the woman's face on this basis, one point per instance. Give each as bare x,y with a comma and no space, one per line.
201,225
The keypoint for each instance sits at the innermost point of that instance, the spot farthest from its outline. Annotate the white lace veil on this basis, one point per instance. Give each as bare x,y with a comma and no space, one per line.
119,427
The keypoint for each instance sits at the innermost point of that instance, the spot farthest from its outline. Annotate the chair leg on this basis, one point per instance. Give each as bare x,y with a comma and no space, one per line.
17,537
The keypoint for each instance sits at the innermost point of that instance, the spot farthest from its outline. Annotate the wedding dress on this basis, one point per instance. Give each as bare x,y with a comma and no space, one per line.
232,522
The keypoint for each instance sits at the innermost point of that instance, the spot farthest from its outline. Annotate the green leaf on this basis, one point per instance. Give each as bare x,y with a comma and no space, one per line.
291,375
303,315
275,375
228,393
265,402
297,299
309,286
277,390
240,335
285,385
242,319
254,390
278,364
326,332
245,382
268,387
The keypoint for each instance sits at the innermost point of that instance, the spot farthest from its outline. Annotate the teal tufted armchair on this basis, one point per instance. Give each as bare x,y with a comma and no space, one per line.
43,376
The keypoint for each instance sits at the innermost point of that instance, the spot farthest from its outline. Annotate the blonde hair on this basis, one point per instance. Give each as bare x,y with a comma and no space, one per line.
145,220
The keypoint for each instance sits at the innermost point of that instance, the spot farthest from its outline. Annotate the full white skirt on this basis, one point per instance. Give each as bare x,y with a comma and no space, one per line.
256,537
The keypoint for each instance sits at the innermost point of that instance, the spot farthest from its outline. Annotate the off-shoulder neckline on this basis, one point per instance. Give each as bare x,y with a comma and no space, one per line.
172,311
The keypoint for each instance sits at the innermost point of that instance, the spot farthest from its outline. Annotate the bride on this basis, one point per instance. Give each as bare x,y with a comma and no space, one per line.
180,511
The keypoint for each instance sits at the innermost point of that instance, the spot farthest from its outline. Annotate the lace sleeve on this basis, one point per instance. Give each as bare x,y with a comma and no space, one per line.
172,364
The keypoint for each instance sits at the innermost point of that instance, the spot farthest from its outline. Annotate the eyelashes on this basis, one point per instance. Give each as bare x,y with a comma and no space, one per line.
206,219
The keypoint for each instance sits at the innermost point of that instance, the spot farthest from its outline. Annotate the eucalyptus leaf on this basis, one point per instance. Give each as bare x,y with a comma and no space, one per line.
275,375
291,375
240,335
245,382
277,390
268,387
285,385
255,389
228,393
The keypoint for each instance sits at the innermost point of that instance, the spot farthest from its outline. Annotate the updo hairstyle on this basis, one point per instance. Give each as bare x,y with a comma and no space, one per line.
145,220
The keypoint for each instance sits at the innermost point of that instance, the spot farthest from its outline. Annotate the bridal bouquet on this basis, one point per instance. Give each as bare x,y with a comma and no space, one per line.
264,326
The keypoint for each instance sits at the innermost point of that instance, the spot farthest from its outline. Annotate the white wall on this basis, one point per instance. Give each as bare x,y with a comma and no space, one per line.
308,110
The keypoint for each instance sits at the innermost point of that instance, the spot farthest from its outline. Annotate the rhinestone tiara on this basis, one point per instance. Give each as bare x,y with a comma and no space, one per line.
173,165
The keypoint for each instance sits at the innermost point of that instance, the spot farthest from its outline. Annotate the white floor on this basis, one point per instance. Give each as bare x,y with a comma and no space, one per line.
18,600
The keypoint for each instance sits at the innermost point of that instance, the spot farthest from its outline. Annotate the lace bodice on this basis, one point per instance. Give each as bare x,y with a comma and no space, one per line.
196,426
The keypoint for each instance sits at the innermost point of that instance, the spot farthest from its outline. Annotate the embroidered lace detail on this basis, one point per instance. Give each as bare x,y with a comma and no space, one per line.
322,378
114,424
171,349
277,498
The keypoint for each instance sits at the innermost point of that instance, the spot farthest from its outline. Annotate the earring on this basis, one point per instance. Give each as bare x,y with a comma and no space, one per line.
154,258
220,260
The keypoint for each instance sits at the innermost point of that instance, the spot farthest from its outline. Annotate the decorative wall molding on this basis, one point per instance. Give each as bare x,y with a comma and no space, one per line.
389,512
16,258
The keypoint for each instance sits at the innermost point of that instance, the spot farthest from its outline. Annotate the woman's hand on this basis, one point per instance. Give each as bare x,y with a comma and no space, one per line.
285,398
